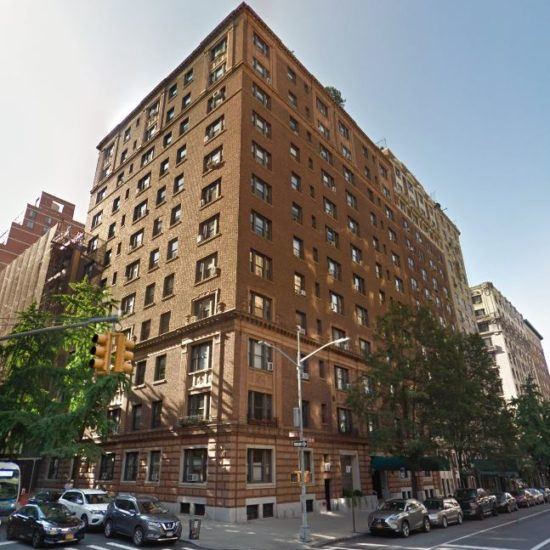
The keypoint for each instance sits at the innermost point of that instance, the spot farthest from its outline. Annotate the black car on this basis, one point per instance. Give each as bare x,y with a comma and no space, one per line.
506,502
142,518
45,524
476,503
45,496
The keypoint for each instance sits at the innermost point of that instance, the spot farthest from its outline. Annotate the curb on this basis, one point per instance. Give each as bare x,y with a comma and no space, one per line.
323,543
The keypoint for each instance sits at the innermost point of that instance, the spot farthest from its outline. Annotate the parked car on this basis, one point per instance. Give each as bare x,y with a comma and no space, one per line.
400,516
45,496
506,503
89,505
142,518
476,502
523,498
45,524
538,495
546,492
443,511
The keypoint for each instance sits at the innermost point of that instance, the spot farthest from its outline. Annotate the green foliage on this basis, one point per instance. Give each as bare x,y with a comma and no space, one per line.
336,95
49,399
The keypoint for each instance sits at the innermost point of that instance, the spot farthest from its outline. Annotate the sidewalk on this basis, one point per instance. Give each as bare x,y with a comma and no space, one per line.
265,534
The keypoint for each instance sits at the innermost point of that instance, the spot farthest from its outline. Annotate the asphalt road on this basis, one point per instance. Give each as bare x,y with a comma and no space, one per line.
528,529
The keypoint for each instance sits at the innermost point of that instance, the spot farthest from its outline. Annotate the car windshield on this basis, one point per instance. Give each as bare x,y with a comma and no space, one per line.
434,504
98,498
393,506
54,512
518,492
151,507
466,493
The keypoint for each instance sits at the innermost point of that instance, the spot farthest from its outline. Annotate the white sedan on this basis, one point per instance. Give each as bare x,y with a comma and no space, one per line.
89,505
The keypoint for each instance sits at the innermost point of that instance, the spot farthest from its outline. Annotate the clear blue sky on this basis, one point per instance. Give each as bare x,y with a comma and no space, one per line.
460,91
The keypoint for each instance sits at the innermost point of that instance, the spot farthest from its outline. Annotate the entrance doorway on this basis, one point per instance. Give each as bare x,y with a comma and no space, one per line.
346,467
327,495
380,484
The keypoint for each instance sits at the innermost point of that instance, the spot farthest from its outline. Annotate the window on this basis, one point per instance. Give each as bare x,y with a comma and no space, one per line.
260,44
291,75
259,356
127,134
211,192
147,157
149,294
136,416
358,283
132,271
261,124
325,153
168,285
213,159
198,405
178,183
153,468
107,467
260,306
201,357
217,98
347,154
145,330
362,316
127,304
154,258
329,207
149,134
298,247
334,269
216,73
259,466
356,254
184,126
261,189
206,268
260,264
188,77
261,96
322,108
328,180
399,285
341,377
186,101
296,212
259,406
214,128
477,299
299,284
331,236
175,214
170,114
107,257
344,420
261,155
139,375
209,228
204,307
164,322
114,416
140,210
364,347
336,303
161,195
260,225
343,130
293,123
172,249
194,465
392,235
130,466
351,200
301,321
160,367
295,181
325,132
111,231
173,91
395,259
96,219
219,49
260,68
181,154
116,205
305,420
100,195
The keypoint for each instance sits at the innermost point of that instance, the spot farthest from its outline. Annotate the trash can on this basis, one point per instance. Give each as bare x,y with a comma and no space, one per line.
194,529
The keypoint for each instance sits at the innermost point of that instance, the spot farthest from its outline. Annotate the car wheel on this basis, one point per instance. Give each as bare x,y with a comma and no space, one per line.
36,539
444,522
459,519
138,536
426,526
480,515
509,509
494,511
405,529
9,532
108,529
84,518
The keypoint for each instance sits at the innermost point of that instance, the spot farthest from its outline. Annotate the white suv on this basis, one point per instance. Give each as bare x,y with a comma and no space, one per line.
89,505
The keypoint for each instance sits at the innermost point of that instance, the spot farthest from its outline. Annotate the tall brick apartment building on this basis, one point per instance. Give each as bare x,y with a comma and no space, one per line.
239,201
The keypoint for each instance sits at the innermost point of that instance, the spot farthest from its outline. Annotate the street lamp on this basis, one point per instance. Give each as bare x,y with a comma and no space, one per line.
305,531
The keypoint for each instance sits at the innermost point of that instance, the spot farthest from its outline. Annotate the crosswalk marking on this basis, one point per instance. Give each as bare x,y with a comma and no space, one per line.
96,547
7,542
124,546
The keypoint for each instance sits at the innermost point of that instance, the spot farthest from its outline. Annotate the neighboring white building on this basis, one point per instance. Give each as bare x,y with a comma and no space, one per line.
514,341
429,217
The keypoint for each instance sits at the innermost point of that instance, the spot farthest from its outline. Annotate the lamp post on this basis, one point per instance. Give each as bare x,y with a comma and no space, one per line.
305,530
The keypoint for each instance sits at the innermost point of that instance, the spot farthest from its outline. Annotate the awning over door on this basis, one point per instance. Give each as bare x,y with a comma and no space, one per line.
428,463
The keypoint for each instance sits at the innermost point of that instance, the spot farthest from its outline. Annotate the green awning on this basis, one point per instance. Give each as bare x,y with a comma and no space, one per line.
428,463
495,468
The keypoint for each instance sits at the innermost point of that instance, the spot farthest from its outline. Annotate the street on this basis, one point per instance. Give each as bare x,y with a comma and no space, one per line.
528,529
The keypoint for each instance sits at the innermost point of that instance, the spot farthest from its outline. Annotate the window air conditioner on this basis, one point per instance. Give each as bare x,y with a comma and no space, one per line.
269,366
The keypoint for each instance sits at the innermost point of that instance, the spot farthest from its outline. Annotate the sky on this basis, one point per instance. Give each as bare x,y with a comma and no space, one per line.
460,91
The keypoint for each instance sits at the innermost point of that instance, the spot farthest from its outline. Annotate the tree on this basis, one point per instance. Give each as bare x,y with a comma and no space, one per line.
336,95
532,419
49,399
393,398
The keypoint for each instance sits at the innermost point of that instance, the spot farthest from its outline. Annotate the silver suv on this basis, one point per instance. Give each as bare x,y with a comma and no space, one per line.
142,518
401,516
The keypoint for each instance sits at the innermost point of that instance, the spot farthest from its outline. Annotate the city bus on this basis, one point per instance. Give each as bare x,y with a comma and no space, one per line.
10,487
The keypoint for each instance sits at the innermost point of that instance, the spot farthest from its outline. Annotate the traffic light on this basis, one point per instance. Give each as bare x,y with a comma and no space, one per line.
124,354
101,350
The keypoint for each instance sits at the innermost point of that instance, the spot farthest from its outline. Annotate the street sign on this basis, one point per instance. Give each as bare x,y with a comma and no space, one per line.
300,443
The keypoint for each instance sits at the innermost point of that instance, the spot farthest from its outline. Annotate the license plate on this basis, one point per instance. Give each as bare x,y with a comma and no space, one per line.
169,533
69,536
